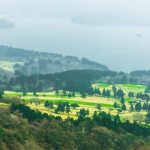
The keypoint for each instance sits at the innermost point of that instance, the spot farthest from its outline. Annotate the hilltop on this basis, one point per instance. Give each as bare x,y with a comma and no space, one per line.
33,62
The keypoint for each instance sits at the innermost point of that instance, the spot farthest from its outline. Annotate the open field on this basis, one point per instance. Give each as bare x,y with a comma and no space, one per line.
89,102
50,96
125,87
125,115
131,88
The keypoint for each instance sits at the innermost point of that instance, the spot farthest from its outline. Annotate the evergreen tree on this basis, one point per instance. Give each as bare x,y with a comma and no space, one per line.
73,94
117,119
1,94
131,107
104,93
122,100
68,109
131,94
147,120
83,95
57,93
120,93
114,90
99,107
138,106
115,104
24,93
34,93
74,106
145,106
124,107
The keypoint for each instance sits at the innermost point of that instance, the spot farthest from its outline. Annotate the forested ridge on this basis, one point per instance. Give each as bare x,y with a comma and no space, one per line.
23,128
28,62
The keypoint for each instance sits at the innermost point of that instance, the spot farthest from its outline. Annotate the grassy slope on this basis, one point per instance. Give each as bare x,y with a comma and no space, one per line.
125,87
87,103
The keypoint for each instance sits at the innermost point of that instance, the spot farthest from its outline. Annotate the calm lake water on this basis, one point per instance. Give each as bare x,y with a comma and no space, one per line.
120,48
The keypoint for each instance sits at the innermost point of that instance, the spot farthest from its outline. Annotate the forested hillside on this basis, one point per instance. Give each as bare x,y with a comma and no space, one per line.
32,62
22,128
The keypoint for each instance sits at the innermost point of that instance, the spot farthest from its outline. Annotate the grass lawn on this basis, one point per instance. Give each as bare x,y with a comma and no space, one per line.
125,87
89,102
131,87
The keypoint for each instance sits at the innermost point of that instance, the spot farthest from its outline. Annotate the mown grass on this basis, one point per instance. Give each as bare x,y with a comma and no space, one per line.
125,87
86,103
131,88
72,102
50,96
102,85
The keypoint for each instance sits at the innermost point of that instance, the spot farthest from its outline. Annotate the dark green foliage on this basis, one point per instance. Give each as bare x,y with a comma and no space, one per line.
73,81
28,113
138,106
147,88
143,96
74,105
120,93
124,107
116,105
106,93
131,94
99,107
132,107
1,94
62,107
43,132
83,113
49,105
122,100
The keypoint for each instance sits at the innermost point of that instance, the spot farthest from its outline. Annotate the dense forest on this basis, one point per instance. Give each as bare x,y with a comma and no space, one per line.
22,128
74,80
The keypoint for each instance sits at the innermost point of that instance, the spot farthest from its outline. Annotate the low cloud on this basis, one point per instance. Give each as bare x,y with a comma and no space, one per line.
113,19
4,24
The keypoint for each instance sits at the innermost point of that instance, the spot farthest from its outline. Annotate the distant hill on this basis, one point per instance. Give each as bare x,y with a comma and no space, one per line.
139,73
33,62
142,76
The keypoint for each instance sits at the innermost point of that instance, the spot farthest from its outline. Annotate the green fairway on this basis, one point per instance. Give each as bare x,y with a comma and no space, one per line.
90,102
82,103
50,96
102,85
125,87
131,87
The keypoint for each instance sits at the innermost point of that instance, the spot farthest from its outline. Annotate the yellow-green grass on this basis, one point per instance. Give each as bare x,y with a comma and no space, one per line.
64,115
12,94
3,105
125,87
89,103
131,87
125,115
72,101
103,85
30,94
50,96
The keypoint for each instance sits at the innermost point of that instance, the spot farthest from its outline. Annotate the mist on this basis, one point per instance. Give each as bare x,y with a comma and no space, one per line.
113,32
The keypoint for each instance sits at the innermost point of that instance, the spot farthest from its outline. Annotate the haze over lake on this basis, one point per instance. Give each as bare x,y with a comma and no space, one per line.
122,45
